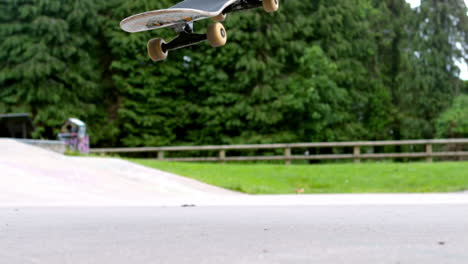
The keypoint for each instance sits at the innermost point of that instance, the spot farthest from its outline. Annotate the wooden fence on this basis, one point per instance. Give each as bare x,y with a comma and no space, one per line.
287,157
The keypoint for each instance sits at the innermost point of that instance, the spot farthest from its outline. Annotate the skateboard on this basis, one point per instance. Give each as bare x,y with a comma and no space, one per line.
181,18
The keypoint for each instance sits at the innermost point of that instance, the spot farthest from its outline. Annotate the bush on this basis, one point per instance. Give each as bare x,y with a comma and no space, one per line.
453,122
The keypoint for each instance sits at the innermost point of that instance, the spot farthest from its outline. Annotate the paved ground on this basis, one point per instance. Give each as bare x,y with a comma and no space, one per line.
299,234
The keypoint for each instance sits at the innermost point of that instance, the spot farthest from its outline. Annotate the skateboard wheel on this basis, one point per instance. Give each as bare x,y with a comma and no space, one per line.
216,35
270,5
155,49
219,18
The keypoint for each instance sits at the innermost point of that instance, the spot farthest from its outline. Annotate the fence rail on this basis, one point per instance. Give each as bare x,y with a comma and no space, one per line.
357,146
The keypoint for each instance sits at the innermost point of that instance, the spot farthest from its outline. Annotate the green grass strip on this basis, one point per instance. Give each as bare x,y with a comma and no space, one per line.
335,178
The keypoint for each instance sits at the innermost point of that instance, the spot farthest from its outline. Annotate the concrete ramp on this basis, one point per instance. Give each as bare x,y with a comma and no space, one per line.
30,176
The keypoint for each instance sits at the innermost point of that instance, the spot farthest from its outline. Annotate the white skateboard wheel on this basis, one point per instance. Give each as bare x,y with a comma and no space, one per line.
155,49
216,35
270,5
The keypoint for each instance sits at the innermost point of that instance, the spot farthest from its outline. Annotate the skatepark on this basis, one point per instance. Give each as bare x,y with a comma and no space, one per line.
96,209
233,131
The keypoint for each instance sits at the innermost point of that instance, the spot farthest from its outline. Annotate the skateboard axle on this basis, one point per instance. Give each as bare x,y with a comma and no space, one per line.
184,40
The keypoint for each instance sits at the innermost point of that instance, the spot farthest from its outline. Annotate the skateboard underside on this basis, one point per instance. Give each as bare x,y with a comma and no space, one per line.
182,13
181,17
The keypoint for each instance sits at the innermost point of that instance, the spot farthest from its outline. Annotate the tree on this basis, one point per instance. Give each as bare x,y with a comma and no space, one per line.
347,33
324,70
150,103
393,28
441,37
257,89
48,62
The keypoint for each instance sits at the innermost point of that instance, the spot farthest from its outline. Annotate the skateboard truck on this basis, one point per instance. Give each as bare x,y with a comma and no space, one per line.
216,34
185,38
243,5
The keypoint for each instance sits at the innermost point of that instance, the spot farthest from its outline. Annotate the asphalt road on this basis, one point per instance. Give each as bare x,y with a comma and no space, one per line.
238,234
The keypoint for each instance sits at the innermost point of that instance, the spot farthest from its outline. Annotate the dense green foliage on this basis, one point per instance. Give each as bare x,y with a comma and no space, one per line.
442,28
47,60
324,70
454,121
336,178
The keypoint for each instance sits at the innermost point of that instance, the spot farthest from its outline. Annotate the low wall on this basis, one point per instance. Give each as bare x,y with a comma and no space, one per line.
53,145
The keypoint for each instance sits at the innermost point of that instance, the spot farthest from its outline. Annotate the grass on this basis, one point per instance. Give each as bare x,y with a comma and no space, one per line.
332,178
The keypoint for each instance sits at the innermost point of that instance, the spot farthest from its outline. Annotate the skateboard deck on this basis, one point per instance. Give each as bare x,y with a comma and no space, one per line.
183,12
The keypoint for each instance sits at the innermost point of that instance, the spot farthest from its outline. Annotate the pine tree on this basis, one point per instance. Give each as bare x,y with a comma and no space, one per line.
265,85
314,71
394,33
48,61
345,30
150,103
440,38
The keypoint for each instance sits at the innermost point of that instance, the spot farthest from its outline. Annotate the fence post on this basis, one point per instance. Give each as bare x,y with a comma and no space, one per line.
160,155
222,156
429,153
287,156
356,153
